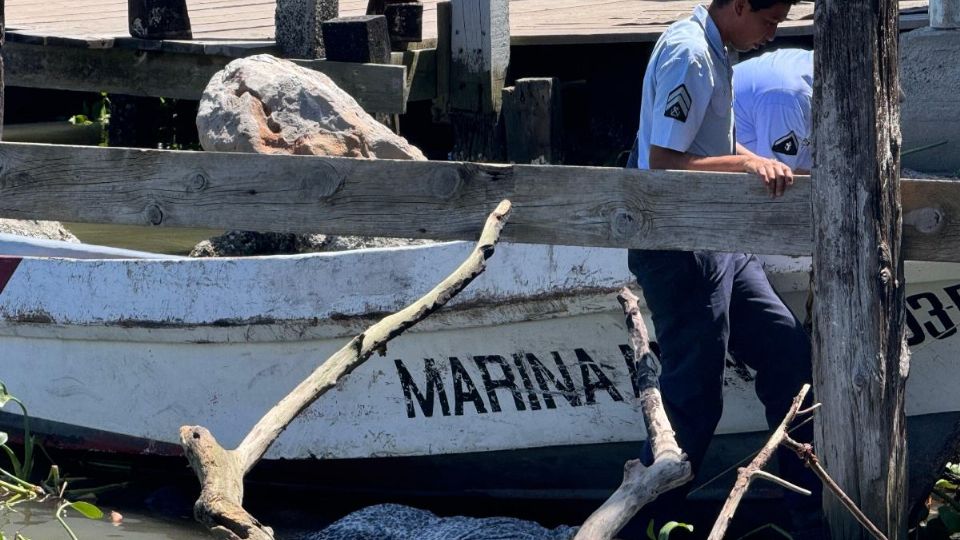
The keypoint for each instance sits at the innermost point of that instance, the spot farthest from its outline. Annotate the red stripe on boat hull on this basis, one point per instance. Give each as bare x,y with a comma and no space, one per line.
8,265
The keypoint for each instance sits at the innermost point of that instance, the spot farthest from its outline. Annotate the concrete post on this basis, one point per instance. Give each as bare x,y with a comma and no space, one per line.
298,26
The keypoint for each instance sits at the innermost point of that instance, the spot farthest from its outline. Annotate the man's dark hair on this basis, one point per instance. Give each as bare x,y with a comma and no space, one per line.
756,5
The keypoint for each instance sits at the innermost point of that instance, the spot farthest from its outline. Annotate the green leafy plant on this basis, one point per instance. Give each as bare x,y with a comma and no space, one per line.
947,492
98,112
16,488
666,530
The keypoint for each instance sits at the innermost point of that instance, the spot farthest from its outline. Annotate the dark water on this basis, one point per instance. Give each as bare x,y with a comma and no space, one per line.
173,241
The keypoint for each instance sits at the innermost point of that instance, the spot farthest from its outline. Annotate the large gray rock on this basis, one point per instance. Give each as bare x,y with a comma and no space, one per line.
930,113
397,522
271,106
50,230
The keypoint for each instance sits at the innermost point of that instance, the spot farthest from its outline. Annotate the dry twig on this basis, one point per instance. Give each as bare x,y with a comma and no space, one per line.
748,473
669,470
221,471
805,452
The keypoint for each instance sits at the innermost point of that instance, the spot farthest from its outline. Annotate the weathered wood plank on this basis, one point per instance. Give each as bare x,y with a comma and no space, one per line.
378,88
589,206
860,357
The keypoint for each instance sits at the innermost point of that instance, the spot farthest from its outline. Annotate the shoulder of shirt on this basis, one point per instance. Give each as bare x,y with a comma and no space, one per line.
685,38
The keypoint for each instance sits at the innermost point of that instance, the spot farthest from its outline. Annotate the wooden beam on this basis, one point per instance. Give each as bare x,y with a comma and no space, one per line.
587,206
860,360
378,88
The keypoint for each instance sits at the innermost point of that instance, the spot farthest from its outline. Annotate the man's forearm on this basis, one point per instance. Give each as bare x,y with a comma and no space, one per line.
663,158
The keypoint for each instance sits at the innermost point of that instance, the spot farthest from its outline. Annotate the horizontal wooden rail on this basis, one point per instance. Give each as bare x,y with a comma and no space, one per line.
182,75
585,206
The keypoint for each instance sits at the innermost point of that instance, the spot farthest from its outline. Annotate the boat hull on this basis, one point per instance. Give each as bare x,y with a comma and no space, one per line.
528,368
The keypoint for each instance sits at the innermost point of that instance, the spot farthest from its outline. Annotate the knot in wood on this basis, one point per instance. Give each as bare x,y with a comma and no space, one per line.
927,220
445,183
154,214
623,224
198,182
323,185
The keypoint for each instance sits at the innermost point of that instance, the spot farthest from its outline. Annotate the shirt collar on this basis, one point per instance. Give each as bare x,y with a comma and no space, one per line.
702,16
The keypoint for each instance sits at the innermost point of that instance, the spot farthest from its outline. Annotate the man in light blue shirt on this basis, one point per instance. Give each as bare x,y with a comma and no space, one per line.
704,304
772,97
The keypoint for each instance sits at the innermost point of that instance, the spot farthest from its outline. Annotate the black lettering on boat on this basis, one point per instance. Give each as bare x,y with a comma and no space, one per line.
507,381
936,310
527,382
916,336
463,389
434,389
602,382
542,374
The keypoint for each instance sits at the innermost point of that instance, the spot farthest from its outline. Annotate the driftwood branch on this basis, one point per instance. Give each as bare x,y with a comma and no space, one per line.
748,473
221,471
805,451
669,470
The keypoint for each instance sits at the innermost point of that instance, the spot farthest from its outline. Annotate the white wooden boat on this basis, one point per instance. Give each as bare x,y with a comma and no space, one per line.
522,379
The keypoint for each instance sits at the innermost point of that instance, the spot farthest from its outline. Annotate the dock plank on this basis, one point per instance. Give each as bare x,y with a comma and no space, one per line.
442,200
531,21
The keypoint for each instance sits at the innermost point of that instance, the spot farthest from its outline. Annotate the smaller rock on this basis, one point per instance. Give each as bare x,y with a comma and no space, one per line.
248,243
398,522
50,230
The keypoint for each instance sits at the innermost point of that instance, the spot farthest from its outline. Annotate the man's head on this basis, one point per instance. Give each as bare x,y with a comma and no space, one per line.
748,24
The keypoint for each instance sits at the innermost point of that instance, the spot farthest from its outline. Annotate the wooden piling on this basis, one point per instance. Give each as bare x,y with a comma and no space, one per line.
944,13
158,19
3,37
298,26
441,104
860,358
532,121
480,55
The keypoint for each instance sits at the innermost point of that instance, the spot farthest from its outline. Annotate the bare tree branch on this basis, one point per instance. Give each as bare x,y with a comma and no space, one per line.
747,474
669,470
805,452
221,471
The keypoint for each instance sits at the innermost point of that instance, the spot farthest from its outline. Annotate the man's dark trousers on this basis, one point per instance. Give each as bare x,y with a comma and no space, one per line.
704,304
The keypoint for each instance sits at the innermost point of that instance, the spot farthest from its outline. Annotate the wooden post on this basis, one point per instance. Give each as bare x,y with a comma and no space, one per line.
944,13
298,26
441,105
3,37
158,19
531,117
860,359
480,55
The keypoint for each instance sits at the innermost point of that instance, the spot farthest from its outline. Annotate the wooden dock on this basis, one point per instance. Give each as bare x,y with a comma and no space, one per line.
532,22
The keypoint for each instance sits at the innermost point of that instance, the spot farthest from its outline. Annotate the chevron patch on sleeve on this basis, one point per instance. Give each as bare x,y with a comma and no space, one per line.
678,104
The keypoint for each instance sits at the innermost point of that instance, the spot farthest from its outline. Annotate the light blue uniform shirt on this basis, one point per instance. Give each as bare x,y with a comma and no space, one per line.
772,100
687,93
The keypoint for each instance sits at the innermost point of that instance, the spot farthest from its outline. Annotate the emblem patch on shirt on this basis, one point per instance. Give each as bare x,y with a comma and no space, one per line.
787,145
678,104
